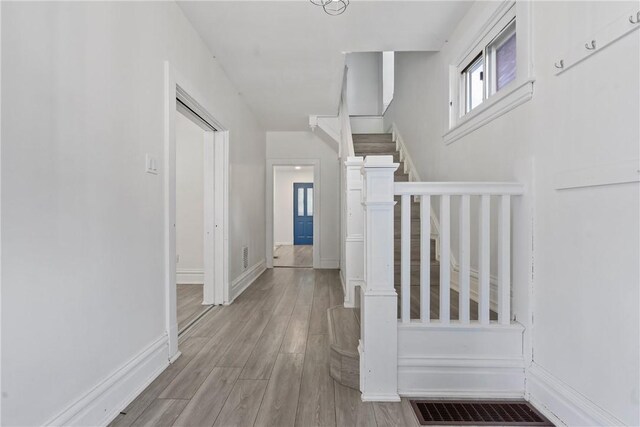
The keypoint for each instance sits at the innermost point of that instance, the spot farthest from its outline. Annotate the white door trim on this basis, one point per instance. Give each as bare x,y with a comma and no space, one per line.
316,205
216,172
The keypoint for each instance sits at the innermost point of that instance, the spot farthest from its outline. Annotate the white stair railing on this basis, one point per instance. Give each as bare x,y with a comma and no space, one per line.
446,191
379,324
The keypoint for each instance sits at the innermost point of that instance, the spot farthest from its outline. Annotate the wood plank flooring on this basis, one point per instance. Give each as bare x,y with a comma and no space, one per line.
189,304
262,360
293,256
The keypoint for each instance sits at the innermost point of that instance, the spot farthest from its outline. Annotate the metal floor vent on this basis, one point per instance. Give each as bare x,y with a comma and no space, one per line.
477,413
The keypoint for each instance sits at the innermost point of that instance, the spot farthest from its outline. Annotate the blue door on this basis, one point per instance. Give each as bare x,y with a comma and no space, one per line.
302,213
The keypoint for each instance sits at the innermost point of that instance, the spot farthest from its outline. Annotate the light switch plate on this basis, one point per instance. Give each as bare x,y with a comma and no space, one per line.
151,164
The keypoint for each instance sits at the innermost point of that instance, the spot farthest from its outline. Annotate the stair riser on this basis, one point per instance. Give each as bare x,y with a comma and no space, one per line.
344,369
372,137
374,148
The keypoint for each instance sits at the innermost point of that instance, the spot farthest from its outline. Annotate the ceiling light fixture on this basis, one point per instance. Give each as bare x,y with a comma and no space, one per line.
332,7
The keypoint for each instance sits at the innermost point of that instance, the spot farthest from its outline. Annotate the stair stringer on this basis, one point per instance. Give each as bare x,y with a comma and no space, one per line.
329,127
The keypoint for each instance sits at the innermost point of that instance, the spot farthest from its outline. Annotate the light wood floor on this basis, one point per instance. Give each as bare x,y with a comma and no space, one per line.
189,304
293,256
262,360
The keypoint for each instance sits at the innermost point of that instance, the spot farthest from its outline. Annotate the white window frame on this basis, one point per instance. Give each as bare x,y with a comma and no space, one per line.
515,93
465,84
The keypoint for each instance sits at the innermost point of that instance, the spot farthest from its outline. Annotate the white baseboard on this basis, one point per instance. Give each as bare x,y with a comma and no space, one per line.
376,397
350,289
243,281
468,378
189,276
563,404
329,263
103,403
283,244
343,283
456,360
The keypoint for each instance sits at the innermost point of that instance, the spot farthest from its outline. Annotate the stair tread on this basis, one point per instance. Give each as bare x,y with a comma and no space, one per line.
344,330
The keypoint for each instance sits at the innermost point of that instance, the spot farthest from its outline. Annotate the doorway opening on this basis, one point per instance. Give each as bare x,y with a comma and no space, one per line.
182,109
190,236
293,216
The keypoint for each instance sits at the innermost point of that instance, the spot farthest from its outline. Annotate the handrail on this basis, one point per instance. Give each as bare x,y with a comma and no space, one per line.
346,138
458,188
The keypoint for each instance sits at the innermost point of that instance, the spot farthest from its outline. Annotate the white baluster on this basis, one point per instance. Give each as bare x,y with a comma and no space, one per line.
405,258
464,260
484,254
504,260
425,258
445,254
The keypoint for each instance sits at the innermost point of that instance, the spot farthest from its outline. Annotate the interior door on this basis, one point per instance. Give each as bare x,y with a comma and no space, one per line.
302,213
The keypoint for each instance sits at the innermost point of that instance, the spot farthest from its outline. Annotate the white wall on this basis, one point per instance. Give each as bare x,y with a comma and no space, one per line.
585,286
307,145
364,87
82,223
189,200
283,179
388,78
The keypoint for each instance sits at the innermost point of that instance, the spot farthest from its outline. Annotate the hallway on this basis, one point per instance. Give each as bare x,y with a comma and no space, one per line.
262,360
293,256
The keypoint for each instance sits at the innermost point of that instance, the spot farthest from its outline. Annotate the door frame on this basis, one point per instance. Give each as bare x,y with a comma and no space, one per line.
317,203
216,202
304,185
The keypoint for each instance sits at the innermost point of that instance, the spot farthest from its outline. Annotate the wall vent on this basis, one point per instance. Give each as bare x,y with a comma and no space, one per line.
245,257
477,413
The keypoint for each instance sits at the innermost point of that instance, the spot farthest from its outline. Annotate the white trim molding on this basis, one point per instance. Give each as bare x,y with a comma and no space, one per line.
515,93
190,276
622,172
460,377
100,405
563,404
216,237
458,360
242,282
494,107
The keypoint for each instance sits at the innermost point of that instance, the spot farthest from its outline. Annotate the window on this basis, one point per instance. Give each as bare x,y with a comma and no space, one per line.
498,58
472,77
493,73
300,201
310,201
502,58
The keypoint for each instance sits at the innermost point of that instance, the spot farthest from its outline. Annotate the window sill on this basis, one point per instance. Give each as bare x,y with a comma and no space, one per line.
490,110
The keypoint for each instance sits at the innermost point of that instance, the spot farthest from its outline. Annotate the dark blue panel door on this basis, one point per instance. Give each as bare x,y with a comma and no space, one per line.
302,213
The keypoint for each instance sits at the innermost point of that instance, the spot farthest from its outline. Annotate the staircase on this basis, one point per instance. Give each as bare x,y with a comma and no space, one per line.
344,326
381,145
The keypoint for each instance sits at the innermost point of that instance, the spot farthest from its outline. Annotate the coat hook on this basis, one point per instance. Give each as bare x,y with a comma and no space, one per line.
560,65
590,46
637,19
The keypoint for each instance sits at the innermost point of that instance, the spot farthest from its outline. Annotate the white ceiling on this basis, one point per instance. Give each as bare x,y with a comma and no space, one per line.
286,57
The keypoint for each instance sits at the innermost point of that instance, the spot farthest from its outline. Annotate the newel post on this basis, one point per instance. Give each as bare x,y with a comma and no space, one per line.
379,318
354,222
